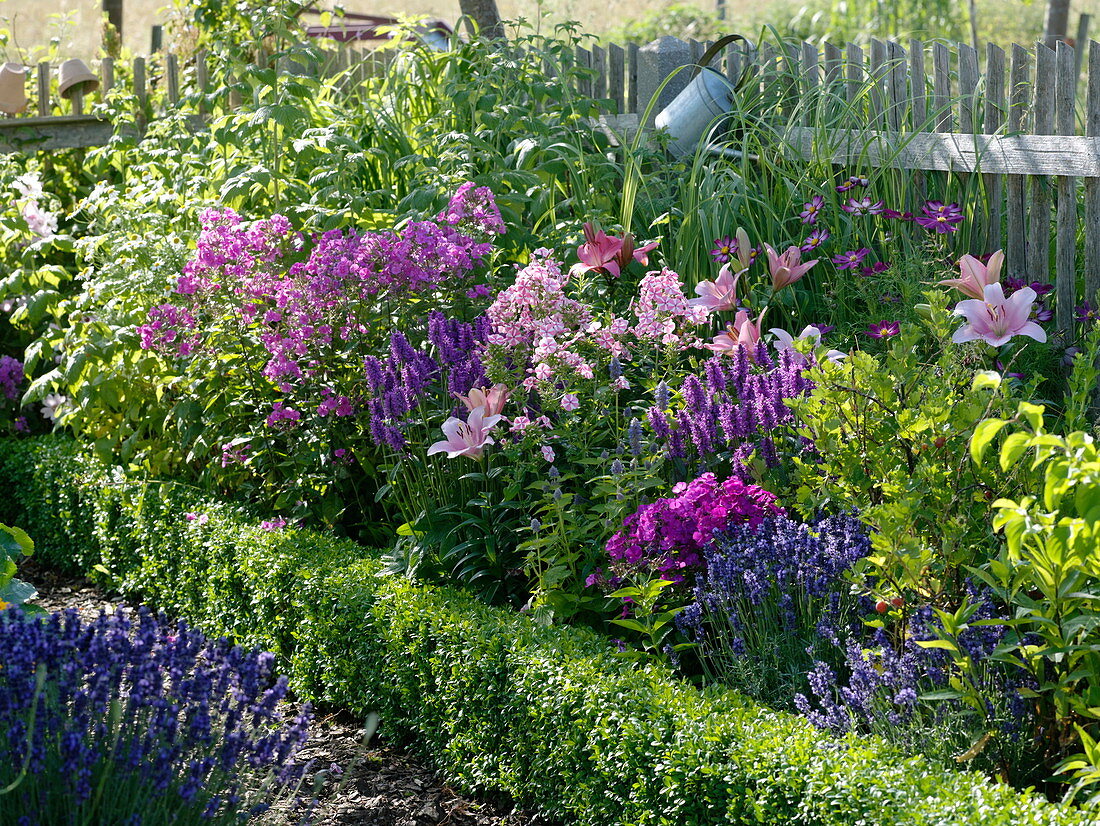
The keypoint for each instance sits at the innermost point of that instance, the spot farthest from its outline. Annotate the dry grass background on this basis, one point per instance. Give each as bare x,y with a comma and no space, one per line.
75,23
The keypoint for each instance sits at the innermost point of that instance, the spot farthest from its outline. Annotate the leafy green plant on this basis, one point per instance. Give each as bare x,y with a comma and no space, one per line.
14,545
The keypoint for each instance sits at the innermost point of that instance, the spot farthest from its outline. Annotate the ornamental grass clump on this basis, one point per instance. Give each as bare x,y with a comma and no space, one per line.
136,721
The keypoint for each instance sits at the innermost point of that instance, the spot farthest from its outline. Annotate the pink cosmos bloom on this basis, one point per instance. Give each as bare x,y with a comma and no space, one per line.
784,342
742,333
786,268
720,294
976,276
996,319
466,438
492,400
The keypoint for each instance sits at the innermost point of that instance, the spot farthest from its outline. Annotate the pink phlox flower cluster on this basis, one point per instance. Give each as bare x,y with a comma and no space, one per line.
535,322
230,252
669,534
168,329
473,207
663,311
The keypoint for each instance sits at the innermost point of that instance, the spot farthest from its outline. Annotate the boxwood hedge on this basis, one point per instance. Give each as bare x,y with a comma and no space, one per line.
547,715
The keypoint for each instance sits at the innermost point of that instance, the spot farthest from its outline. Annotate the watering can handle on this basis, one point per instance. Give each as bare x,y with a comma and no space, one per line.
715,48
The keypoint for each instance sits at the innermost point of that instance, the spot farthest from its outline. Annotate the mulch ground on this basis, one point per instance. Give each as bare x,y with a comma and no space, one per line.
353,784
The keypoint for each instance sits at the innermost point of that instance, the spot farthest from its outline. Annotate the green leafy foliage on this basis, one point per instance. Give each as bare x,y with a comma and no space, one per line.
499,703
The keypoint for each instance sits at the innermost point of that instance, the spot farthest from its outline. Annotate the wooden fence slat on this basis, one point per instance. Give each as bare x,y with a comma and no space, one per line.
44,103
811,80
107,76
789,77
172,70
584,61
1038,236
632,77
202,80
1079,44
992,120
1017,155
1065,237
968,88
899,85
834,66
616,88
1092,185
919,93
941,87
879,78
599,65
1015,210
853,55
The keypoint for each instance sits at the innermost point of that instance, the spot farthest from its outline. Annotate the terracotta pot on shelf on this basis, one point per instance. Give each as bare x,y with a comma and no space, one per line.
13,88
73,75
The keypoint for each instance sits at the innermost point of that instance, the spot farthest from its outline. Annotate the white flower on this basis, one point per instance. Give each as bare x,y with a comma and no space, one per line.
50,405
29,186
41,223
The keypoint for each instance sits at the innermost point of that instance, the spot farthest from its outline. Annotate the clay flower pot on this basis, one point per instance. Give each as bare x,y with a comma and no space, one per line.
13,88
73,75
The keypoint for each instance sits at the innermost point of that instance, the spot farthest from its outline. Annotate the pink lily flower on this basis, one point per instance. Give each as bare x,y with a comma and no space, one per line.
784,342
720,294
742,333
786,268
492,400
997,319
599,251
976,276
466,438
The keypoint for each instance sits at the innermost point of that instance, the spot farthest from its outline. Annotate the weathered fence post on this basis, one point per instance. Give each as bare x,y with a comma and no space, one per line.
657,61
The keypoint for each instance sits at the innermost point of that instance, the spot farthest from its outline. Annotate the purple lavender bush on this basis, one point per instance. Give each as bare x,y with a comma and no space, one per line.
137,722
771,599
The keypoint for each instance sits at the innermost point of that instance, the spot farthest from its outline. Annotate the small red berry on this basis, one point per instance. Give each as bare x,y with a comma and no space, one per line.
882,607
897,602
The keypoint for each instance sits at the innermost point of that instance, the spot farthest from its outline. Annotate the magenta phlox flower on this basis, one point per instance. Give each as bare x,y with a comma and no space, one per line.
492,400
282,415
787,268
851,259
466,438
669,534
168,330
718,295
996,319
11,377
883,329
811,210
976,276
939,217
473,207
570,402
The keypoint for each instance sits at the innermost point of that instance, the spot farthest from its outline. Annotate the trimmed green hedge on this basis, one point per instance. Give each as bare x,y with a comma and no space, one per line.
498,703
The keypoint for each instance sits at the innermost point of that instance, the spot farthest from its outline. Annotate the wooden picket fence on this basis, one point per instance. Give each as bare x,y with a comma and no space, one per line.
1023,119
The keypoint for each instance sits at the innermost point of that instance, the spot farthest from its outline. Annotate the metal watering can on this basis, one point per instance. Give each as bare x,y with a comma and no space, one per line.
707,97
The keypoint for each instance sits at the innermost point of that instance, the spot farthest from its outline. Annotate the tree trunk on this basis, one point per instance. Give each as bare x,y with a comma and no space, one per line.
1057,27
485,15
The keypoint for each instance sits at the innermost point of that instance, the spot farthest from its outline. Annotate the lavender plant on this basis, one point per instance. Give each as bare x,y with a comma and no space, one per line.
771,599
120,720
